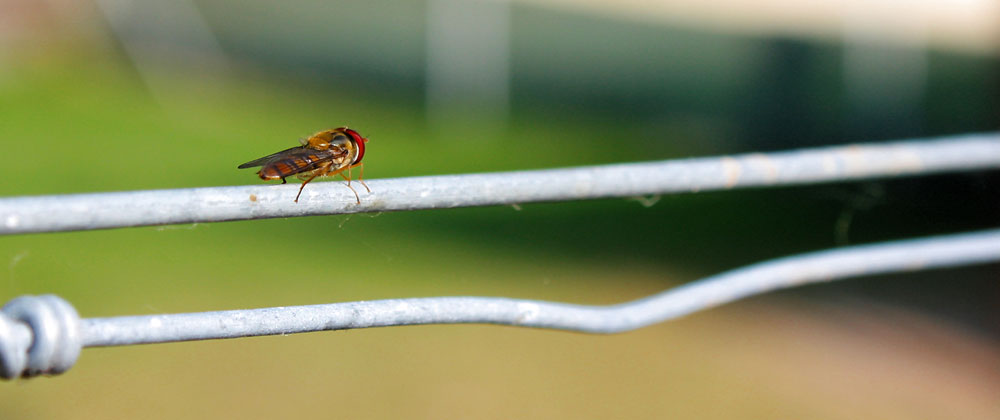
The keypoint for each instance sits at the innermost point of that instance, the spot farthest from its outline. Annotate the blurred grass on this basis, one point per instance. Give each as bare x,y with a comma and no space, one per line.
73,123
106,132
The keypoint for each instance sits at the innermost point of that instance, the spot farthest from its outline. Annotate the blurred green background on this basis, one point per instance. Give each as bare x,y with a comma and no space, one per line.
125,95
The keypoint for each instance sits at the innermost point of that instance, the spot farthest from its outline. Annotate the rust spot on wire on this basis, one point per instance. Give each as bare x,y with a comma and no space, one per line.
731,167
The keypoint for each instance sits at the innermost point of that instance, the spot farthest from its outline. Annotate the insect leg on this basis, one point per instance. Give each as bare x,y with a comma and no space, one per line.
348,178
315,174
361,177
356,196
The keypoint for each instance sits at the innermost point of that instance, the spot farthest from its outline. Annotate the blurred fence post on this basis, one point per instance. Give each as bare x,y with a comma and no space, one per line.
468,60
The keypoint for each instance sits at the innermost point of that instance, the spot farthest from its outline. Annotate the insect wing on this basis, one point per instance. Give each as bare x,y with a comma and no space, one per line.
266,159
299,160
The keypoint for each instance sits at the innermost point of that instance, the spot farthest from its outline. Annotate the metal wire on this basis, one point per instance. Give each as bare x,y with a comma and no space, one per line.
42,335
216,204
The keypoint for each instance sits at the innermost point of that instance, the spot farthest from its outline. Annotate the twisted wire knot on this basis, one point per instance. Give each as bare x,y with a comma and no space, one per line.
39,335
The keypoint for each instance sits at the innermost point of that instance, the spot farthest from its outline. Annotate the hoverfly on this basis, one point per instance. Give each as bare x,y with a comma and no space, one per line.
326,153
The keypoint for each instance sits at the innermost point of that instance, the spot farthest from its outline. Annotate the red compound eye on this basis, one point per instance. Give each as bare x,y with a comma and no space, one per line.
359,142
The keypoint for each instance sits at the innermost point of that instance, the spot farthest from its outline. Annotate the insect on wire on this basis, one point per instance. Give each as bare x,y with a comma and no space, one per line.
326,153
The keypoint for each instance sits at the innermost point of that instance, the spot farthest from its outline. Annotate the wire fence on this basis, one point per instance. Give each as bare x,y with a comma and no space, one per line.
44,334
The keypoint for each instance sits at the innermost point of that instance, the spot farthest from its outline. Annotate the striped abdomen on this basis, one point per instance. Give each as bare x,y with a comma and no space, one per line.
292,164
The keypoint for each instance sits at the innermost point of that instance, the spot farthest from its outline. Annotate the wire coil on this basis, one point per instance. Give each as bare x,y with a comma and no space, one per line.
39,335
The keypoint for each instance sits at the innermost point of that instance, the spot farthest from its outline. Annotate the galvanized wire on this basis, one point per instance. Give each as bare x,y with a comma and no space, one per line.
216,204
42,335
